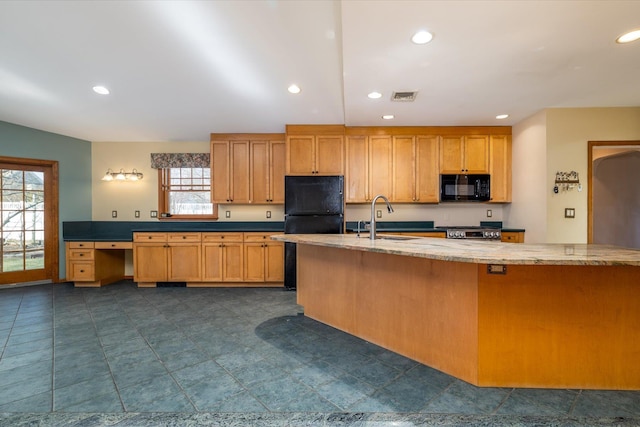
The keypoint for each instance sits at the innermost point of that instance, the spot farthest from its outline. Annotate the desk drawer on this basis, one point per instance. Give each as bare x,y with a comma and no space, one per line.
114,245
81,254
82,271
81,245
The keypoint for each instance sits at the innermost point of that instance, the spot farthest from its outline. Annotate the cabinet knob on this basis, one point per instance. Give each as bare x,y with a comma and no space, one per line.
81,254
81,271
184,237
113,245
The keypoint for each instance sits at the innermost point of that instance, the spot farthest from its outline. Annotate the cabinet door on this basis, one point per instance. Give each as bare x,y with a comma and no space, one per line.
357,179
500,168
276,173
239,191
220,171
232,263
403,169
427,173
476,154
254,261
380,166
329,157
274,261
451,154
149,262
212,258
259,164
301,155
184,262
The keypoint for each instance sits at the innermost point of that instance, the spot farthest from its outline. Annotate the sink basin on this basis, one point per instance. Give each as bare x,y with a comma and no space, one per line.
397,237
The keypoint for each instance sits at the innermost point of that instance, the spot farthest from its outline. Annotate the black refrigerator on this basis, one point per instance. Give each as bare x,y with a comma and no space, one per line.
312,205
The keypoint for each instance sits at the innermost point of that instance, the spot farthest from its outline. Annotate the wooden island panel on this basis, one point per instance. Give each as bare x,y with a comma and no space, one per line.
535,326
423,309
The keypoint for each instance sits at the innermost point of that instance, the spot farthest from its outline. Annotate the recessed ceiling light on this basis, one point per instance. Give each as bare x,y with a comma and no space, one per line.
502,116
629,37
101,90
294,89
422,37
375,95
388,116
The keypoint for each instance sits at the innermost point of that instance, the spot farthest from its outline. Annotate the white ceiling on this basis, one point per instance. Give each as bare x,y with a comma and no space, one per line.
180,70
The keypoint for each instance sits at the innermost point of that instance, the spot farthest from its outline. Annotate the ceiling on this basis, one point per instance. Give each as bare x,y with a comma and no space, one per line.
180,70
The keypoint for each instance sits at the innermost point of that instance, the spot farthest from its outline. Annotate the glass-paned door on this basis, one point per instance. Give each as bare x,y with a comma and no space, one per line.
28,235
22,211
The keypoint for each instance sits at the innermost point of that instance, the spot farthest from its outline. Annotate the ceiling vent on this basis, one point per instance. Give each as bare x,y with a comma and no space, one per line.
404,96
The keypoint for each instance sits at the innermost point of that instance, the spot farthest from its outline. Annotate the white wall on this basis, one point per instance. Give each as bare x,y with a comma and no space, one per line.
529,164
557,140
569,131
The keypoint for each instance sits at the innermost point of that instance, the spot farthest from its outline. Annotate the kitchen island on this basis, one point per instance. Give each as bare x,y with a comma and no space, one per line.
489,313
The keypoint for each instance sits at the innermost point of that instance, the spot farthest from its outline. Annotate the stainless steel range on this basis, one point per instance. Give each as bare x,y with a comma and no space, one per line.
483,233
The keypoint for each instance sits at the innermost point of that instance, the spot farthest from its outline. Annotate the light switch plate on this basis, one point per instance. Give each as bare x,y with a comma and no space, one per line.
227,214
569,213
153,214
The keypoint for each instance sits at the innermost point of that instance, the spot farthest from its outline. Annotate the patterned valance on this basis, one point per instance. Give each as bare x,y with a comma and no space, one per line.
179,160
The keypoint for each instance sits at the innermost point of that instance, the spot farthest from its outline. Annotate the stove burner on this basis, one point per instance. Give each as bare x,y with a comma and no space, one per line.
472,232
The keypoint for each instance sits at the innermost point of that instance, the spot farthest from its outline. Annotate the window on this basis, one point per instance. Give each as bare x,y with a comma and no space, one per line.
185,193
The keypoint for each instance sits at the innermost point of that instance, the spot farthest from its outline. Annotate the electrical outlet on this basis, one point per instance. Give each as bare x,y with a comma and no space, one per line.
268,214
378,214
114,214
489,213
136,214
227,214
153,214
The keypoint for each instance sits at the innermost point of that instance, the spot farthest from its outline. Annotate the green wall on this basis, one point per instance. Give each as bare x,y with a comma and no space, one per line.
74,157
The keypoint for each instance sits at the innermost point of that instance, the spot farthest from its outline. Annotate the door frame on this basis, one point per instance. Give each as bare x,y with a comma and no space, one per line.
52,234
593,144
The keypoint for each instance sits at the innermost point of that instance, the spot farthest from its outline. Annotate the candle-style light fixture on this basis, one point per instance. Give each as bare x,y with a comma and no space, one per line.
134,175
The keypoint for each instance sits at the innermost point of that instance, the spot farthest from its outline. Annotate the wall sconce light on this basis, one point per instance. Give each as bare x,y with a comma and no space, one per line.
110,175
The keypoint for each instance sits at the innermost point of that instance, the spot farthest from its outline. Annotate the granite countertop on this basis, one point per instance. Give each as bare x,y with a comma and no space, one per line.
480,252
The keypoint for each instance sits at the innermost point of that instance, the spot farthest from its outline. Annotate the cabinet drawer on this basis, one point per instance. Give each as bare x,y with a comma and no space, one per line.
82,271
222,237
183,237
81,254
149,237
257,237
80,245
114,245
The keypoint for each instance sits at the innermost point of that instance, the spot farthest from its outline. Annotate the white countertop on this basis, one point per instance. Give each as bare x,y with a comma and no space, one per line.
476,251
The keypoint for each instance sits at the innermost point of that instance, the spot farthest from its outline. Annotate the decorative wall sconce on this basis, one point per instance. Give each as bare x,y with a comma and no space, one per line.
567,181
134,175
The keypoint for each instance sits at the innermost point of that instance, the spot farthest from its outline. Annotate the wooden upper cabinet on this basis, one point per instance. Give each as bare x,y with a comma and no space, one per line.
247,168
464,154
230,171
380,166
427,176
500,168
315,150
404,170
267,160
357,169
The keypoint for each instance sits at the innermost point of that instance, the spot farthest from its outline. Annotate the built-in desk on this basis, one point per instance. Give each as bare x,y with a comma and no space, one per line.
95,264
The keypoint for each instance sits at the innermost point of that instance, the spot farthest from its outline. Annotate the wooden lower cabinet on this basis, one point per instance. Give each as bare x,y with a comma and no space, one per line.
208,259
513,236
222,257
264,258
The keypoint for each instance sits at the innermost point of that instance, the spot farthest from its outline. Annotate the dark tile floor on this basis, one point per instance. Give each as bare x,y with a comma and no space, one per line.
119,354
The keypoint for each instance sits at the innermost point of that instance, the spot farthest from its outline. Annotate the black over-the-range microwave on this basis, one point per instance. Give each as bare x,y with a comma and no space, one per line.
465,188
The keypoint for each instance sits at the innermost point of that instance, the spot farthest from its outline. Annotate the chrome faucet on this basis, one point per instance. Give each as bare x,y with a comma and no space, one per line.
372,231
